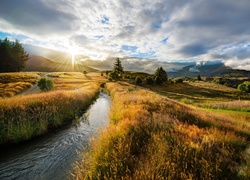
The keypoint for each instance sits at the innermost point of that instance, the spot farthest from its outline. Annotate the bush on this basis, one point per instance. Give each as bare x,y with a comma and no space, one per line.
199,77
149,80
113,76
158,80
178,80
138,80
45,84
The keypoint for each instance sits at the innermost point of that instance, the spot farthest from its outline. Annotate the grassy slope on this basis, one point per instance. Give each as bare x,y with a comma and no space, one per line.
23,117
154,137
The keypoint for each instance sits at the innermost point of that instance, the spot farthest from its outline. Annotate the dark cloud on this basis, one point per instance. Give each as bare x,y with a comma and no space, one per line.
209,25
36,17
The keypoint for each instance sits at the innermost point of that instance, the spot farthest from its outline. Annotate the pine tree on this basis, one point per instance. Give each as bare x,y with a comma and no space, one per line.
199,77
118,69
13,56
162,74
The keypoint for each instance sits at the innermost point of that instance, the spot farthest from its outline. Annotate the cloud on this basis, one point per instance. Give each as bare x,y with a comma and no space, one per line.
160,30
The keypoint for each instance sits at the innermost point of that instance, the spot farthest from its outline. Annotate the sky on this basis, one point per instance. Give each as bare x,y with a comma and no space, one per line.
141,30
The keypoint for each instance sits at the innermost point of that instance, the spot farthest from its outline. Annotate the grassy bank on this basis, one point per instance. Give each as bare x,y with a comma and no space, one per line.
154,137
23,117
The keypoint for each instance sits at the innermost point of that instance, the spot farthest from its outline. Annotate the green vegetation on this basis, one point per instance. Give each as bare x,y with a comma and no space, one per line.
162,74
244,87
117,72
45,84
138,80
149,80
199,77
13,56
158,80
154,137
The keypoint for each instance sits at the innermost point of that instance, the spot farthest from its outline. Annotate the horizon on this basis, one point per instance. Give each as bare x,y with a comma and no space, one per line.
155,32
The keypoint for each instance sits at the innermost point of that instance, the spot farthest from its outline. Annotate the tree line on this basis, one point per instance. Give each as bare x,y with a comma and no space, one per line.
13,57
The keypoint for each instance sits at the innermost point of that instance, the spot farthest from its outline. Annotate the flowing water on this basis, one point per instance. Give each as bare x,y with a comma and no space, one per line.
51,156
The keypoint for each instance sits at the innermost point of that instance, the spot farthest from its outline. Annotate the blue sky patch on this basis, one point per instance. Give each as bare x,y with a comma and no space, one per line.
165,40
105,20
129,48
19,37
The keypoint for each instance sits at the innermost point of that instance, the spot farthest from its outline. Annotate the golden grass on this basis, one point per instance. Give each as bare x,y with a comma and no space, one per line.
23,117
153,137
197,92
243,105
14,83
74,80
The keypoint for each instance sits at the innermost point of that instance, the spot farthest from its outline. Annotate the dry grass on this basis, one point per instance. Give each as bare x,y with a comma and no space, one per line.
153,137
231,105
14,83
74,80
197,92
23,117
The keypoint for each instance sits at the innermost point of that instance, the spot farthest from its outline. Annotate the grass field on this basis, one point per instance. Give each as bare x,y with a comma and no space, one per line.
191,130
14,83
154,137
25,116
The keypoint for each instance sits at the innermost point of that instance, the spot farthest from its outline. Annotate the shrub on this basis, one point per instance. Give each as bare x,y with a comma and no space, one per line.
149,80
158,80
85,72
138,80
178,80
45,84
113,76
199,77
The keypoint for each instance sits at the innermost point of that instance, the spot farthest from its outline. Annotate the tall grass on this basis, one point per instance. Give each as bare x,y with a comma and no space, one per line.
23,117
153,137
13,83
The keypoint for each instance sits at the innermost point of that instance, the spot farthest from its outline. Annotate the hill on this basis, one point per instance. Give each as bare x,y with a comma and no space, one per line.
209,70
39,63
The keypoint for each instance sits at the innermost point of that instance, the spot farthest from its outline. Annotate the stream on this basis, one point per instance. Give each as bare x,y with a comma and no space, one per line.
51,156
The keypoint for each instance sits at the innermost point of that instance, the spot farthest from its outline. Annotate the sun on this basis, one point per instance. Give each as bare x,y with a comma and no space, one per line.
73,50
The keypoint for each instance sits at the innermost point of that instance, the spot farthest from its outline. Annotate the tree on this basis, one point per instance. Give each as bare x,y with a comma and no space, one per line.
138,80
162,74
199,77
13,56
158,80
244,87
149,80
118,70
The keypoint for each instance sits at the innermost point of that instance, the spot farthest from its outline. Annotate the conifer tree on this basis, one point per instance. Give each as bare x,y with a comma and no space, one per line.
118,69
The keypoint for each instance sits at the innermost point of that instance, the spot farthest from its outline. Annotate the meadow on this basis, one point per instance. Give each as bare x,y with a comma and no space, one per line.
191,130
26,116
12,84
154,137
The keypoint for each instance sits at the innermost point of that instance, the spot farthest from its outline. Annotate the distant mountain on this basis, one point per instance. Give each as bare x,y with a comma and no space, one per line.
209,70
39,63
48,60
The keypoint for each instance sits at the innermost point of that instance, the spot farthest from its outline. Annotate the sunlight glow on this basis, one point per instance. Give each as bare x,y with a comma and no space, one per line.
73,50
